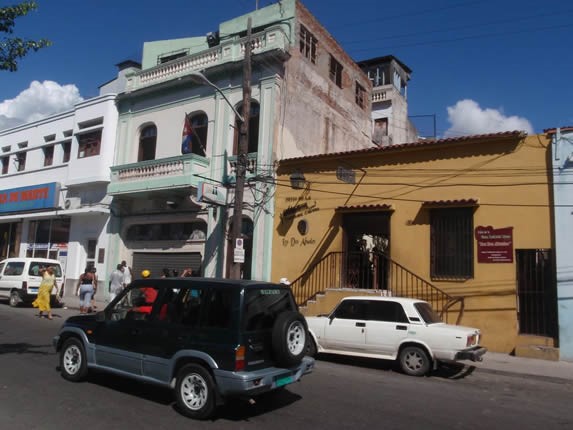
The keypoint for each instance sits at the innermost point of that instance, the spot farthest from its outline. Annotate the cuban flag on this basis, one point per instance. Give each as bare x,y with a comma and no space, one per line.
186,140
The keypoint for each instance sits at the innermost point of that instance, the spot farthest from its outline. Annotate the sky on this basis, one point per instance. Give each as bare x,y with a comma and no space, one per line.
478,66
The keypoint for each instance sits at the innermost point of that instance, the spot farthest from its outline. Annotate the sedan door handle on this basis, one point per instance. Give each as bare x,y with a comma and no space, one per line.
401,327
358,324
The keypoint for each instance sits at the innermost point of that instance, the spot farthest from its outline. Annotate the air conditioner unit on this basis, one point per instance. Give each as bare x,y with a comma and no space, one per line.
73,203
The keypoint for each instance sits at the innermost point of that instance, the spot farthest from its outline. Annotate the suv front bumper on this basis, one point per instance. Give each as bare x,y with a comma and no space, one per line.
474,354
259,381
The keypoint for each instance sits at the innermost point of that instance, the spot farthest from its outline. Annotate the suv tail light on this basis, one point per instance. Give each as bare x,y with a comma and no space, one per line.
25,286
239,358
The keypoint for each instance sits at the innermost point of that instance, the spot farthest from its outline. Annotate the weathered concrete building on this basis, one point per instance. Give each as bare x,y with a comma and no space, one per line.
173,203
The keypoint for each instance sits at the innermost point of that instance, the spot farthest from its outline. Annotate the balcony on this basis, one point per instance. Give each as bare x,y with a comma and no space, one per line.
384,93
271,39
172,172
251,166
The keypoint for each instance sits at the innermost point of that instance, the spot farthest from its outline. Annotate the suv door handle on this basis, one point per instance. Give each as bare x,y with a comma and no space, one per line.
358,324
401,327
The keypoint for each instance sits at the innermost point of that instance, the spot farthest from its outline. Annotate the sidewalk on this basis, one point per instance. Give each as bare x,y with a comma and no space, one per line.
73,302
528,367
493,362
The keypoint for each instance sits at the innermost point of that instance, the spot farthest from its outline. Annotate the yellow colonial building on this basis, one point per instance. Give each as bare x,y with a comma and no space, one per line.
465,223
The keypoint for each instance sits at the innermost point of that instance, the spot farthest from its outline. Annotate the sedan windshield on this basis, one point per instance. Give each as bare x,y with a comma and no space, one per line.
427,313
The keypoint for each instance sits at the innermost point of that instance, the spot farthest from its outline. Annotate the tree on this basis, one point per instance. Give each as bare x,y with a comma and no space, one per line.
12,49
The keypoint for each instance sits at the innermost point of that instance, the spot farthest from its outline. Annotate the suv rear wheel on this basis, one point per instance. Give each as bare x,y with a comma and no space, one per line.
195,392
289,338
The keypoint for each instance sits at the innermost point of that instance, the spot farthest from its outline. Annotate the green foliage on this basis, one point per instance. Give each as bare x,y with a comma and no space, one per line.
12,49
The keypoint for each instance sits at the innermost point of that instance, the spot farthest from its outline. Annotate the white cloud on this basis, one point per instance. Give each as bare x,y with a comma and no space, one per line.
467,117
40,100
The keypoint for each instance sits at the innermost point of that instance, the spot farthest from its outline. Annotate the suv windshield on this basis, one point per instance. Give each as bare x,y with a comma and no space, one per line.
428,314
264,305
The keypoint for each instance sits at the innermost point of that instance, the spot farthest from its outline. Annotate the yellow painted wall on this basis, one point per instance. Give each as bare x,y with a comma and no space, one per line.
507,175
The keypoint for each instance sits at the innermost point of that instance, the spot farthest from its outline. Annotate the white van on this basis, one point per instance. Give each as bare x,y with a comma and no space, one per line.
20,278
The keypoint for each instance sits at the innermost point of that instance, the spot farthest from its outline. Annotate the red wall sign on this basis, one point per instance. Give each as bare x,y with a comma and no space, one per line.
494,245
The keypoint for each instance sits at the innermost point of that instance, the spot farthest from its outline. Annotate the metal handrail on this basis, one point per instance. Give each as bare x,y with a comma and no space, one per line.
376,271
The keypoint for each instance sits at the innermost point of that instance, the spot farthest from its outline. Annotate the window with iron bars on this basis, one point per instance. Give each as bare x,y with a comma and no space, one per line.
451,243
308,44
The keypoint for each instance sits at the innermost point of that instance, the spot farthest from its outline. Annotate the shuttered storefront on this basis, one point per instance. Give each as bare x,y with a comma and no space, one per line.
157,261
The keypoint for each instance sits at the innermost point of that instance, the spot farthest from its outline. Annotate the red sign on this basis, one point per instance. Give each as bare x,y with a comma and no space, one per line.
494,245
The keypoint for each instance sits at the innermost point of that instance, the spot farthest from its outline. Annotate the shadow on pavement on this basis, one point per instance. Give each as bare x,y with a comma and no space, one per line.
239,409
444,370
24,348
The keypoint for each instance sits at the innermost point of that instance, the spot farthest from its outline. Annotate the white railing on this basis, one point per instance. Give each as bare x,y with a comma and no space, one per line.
167,168
229,51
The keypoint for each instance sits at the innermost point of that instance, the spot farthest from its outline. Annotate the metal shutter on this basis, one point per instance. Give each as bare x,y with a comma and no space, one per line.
157,261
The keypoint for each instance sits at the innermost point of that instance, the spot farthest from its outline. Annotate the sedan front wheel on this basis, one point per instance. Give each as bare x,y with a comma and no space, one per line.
414,361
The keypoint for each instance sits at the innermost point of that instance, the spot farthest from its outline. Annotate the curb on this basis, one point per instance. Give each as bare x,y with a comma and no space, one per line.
535,376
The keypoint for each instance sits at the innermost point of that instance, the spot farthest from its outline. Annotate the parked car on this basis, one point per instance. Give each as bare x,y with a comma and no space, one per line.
20,279
208,339
393,328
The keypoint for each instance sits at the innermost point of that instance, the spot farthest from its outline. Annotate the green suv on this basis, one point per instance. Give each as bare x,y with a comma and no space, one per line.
208,339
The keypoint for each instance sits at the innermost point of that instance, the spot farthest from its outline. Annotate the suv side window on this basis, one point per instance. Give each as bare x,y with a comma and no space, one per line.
262,306
386,311
351,310
14,268
187,307
137,304
217,309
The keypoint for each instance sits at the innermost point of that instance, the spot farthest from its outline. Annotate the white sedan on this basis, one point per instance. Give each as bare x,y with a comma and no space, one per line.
393,328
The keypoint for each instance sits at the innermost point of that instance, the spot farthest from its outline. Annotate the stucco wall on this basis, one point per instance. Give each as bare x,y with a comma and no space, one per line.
508,178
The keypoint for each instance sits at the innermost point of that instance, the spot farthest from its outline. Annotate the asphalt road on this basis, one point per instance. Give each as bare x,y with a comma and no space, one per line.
340,394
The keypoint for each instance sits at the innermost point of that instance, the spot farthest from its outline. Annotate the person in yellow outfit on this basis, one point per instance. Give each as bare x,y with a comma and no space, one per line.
42,302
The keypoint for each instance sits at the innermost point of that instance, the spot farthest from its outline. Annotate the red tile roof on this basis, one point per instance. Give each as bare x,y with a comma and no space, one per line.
419,143
457,203
554,130
379,207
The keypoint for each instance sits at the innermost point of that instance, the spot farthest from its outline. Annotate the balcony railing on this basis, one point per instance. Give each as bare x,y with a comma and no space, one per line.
251,165
272,38
383,93
157,174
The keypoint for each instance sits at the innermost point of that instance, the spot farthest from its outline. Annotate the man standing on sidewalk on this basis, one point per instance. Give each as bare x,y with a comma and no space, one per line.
127,274
116,280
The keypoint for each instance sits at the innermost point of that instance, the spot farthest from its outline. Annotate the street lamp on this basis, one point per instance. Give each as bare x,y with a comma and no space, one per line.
200,78
241,167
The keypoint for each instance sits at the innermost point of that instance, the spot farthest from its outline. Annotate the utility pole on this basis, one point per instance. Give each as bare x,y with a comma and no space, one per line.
241,169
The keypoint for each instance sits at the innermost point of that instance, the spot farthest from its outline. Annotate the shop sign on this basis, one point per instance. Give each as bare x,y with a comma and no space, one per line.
35,197
494,245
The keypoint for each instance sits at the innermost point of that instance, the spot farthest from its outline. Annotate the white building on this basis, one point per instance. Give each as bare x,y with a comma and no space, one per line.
53,185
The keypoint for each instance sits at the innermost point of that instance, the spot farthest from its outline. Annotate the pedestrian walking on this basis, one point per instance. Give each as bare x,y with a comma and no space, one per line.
93,306
85,289
127,274
116,282
48,283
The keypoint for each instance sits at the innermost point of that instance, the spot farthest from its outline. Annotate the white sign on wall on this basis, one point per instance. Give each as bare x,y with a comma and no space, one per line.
212,193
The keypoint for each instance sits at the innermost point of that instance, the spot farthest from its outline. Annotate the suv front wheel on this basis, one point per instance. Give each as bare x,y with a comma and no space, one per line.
73,364
195,392
289,339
